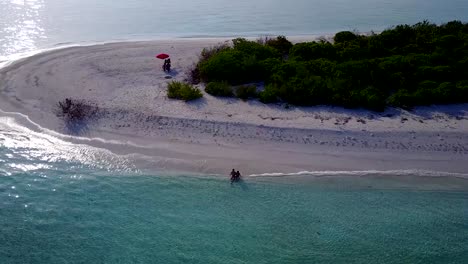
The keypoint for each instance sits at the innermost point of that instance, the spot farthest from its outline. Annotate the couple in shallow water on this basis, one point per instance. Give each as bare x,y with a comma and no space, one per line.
235,175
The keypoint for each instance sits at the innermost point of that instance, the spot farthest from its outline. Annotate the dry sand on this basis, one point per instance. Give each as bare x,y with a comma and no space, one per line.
213,135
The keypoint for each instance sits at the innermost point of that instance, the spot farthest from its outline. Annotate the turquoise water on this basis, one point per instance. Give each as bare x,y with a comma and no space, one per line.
83,215
63,202
26,25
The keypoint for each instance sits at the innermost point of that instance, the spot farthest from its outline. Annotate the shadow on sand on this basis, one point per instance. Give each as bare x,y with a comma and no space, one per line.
173,73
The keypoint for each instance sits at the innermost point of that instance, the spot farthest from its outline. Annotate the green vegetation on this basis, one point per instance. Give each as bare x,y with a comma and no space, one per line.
404,66
206,54
182,91
219,89
245,92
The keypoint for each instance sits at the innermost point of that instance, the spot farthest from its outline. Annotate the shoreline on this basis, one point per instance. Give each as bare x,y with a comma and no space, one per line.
212,135
7,59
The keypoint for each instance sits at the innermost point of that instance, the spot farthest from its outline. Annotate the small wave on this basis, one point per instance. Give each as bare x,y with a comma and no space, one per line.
31,147
420,173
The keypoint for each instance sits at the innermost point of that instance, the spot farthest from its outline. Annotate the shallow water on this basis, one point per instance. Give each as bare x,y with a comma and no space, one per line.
87,216
58,206
27,25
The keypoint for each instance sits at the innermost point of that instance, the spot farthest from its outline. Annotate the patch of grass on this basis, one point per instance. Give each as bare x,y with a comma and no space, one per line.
245,92
182,91
222,89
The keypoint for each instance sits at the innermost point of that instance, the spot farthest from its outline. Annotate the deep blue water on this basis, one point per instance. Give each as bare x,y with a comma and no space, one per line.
26,25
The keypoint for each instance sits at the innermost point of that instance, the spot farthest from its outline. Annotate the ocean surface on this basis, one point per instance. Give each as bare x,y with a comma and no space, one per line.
27,25
63,202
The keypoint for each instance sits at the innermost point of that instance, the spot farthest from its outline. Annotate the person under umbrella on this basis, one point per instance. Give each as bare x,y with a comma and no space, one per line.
167,61
168,65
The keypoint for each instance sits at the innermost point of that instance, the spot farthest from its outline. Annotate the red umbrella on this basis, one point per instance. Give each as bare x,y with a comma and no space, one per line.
162,56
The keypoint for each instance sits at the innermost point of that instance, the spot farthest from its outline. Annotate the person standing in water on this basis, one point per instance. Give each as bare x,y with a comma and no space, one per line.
233,175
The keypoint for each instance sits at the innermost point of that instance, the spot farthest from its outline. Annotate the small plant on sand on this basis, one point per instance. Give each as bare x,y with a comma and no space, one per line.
73,110
245,92
219,89
182,91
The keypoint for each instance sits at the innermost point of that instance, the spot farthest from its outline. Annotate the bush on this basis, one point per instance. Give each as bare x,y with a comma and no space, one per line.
75,110
182,91
219,89
269,94
372,99
313,51
281,44
246,91
208,53
267,67
345,36
402,66
252,48
225,66
402,98
461,92
194,74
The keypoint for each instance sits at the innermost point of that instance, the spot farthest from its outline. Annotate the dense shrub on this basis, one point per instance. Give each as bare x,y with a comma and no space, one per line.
222,89
226,66
245,92
345,36
207,53
269,94
313,50
182,91
281,44
194,76
252,48
401,98
403,66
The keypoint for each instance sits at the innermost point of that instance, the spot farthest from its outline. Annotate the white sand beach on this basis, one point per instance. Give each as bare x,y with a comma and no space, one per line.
214,135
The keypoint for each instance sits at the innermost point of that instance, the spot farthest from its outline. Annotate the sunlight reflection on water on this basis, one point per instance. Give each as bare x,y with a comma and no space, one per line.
28,150
23,26
28,25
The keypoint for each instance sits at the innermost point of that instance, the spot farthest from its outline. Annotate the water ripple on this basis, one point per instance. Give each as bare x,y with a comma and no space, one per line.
23,26
26,150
